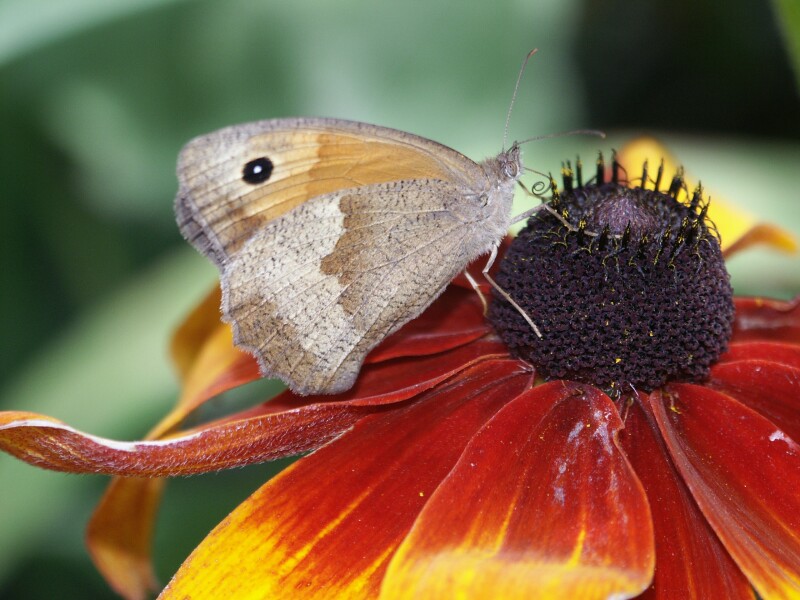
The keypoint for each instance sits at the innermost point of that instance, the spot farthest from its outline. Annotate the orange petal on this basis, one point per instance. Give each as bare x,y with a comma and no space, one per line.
542,504
189,337
119,535
762,234
120,530
218,366
118,557
327,526
691,563
737,228
744,474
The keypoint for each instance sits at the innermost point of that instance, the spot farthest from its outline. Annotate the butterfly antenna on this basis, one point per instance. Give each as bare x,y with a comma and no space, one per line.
595,132
514,95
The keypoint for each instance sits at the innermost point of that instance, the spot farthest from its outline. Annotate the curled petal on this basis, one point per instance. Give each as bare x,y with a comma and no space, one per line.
691,562
120,530
761,319
327,526
51,444
541,504
744,474
122,557
769,387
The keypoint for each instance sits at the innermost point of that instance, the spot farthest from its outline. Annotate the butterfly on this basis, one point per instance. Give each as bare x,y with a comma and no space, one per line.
329,235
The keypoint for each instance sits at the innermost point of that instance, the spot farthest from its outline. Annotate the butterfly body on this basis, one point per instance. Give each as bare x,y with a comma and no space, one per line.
329,235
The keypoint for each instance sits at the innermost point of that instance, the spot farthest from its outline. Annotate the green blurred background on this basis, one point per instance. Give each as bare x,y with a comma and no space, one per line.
97,98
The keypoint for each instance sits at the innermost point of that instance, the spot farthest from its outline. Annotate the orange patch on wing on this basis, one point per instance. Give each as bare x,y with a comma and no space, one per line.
308,163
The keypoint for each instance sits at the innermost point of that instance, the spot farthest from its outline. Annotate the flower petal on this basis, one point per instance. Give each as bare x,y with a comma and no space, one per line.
770,388
399,379
217,367
120,533
196,328
762,234
691,563
51,444
760,319
455,318
733,224
120,530
744,474
327,526
785,354
541,504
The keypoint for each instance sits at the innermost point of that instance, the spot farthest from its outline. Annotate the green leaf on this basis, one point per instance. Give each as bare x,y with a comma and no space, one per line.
787,13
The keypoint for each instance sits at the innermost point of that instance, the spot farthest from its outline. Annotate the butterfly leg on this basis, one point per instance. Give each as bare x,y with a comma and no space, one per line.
505,294
477,289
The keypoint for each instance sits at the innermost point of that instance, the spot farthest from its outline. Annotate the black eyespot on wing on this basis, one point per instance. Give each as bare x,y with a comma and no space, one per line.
257,170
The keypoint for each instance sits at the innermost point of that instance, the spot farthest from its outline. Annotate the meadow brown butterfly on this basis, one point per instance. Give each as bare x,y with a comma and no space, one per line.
329,235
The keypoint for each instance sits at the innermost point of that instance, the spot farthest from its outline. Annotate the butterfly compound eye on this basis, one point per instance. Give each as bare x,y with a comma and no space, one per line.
257,170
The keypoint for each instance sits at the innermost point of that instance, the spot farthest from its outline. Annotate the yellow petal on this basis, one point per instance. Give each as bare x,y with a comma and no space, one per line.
738,229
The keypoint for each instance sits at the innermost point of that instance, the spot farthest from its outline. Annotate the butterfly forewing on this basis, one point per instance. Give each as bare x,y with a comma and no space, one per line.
218,210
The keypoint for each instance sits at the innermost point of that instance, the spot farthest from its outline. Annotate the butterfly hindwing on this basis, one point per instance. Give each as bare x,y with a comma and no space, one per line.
312,292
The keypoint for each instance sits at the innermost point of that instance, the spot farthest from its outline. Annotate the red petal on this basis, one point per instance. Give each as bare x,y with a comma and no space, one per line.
744,474
397,380
120,530
454,319
760,319
786,354
327,526
771,388
541,504
691,563
49,443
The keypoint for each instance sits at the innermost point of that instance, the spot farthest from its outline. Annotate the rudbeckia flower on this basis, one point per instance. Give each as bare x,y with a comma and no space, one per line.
645,446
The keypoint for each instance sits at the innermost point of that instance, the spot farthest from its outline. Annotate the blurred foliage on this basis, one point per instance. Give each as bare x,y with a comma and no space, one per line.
97,98
788,17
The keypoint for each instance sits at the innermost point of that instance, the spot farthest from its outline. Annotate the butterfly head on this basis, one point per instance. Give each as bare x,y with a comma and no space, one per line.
510,163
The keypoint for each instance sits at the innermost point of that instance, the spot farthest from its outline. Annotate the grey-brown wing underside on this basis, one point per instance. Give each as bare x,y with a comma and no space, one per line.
315,290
